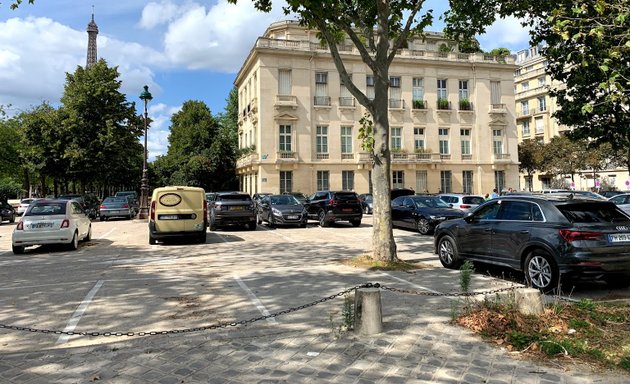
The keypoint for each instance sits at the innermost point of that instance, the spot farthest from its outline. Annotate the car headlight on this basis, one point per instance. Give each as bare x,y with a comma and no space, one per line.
437,217
276,212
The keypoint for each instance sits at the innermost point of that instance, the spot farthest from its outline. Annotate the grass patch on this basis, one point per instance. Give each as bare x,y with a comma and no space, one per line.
364,261
593,333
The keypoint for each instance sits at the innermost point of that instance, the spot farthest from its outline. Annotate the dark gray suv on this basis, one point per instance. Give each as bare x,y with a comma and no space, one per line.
232,208
328,207
549,238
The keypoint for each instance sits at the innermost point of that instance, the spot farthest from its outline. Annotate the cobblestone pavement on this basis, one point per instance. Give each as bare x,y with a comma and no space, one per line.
147,287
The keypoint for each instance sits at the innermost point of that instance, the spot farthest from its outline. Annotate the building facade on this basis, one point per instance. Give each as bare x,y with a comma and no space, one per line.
451,115
534,120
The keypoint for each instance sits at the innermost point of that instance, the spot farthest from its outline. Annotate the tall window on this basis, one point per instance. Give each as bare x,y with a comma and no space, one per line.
396,138
542,103
463,90
499,180
525,86
323,180
465,141
285,138
398,179
284,82
347,180
346,139
445,181
321,88
369,89
441,89
418,139
526,132
321,139
540,125
541,81
525,107
497,141
421,182
467,181
495,92
395,99
345,98
418,91
286,181
443,136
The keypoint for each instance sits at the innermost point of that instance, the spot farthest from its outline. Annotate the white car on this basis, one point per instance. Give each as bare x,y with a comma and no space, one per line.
24,203
622,201
462,202
52,222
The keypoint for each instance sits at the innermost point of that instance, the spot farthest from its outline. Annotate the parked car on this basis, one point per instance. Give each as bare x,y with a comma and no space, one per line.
299,196
116,207
281,210
367,203
609,194
622,201
328,207
133,199
547,237
232,208
178,212
24,203
461,201
52,222
7,212
210,196
421,212
257,198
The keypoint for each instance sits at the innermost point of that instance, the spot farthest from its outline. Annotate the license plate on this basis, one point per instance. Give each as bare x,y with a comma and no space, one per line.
346,210
236,208
293,217
168,217
123,212
619,237
41,225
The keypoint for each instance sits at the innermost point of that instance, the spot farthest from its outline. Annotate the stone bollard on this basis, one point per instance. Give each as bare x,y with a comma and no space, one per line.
368,314
529,301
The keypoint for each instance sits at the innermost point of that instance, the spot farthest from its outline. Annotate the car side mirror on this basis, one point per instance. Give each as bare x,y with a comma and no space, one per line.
469,217
450,205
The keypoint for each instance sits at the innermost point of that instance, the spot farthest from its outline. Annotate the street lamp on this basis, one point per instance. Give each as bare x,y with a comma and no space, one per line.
144,187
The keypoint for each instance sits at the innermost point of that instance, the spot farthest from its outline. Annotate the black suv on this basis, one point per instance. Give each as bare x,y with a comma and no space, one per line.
7,212
328,207
232,208
546,237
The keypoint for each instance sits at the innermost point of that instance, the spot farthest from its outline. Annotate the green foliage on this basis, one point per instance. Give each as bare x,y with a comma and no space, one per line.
521,340
366,133
442,103
465,275
10,164
587,304
624,362
9,189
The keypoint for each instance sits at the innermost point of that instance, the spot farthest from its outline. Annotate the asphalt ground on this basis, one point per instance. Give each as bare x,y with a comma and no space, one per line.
118,283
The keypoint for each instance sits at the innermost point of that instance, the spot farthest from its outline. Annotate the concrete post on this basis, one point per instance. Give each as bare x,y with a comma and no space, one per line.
529,301
368,314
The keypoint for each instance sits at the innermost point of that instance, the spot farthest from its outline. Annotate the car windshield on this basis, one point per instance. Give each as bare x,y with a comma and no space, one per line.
473,200
592,213
284,200
430,202
115,200
46,208
345,196
234,197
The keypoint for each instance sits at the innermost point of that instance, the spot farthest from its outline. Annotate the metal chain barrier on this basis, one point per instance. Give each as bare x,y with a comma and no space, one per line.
252,320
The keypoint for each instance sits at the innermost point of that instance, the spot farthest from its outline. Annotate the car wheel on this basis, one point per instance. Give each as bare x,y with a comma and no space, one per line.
252,225
423,226
447,252
366,210
541,271
270,222
88,237
617,281
12,219
322,219
102,218
355,223
212,225
201,239
258,219
17,249
152,240
74,244
303,225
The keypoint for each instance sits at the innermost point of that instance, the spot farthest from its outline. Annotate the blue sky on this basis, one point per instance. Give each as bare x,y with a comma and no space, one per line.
183,50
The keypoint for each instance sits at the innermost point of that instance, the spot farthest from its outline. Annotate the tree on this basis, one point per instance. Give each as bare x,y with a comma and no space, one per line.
530,156
377,29
587,46
16,3
564,156
9,137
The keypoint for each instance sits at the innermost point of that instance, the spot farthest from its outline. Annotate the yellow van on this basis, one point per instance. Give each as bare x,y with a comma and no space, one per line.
178,212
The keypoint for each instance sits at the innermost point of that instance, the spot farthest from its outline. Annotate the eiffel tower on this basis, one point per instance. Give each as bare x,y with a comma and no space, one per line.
92,30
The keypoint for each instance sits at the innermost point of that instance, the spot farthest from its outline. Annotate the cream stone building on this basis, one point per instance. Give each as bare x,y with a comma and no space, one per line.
452,118
534,110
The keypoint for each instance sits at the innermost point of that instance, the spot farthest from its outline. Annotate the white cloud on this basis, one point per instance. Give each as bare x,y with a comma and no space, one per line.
508,33
155,14
157,137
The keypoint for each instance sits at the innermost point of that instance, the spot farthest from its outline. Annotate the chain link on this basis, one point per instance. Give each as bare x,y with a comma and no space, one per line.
255,319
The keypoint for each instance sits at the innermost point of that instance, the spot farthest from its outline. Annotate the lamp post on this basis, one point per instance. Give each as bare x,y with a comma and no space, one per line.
144,187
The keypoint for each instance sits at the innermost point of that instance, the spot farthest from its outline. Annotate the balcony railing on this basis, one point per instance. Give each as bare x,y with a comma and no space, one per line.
501,156
418,104
322,156
247,160
466,157
527,112
347,156
498,108
323,101
396,104
286,155
286,100
443,105
465,105
346,102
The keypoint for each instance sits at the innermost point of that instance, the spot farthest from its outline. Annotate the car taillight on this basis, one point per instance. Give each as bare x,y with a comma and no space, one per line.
205,208
570,236
465,206
332,202
153,210
102,207
65,223
20,226
125,206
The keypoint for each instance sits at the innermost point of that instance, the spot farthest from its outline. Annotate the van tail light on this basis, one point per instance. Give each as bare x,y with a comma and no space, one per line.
465,206
153,210
570,236
205,208
20,226
65,223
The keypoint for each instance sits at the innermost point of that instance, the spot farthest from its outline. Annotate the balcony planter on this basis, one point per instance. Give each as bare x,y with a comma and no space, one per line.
465,105
419,104
443,104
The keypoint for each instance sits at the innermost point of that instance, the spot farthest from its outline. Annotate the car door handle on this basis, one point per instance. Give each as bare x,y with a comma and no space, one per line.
487,230
523,232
